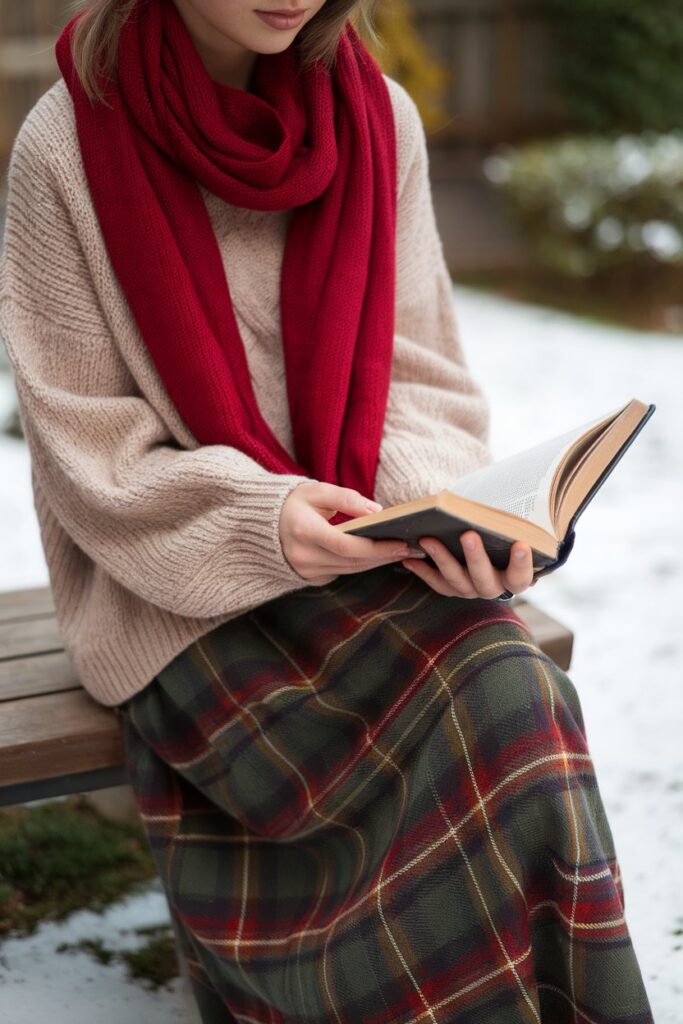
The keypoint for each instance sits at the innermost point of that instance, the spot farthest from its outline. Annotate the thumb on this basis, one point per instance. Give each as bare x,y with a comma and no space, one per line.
346,500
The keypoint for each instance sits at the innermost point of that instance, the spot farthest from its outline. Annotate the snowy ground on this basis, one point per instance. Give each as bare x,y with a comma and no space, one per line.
544,372
39,984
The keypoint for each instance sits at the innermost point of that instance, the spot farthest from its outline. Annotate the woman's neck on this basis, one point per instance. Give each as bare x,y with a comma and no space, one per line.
225,60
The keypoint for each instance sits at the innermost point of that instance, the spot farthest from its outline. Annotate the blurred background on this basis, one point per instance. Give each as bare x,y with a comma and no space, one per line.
555,131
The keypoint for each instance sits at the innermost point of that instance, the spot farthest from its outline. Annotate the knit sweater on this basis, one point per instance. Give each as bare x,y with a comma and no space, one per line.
152,540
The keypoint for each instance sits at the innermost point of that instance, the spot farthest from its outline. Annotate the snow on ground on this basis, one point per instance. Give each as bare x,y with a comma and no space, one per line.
620,592
39,984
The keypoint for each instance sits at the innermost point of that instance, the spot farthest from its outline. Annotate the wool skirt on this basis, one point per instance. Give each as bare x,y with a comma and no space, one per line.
370,803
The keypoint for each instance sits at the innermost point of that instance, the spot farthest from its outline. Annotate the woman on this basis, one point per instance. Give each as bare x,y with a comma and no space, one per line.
368,792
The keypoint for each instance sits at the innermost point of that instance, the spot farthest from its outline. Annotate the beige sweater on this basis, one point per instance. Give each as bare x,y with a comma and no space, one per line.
152,540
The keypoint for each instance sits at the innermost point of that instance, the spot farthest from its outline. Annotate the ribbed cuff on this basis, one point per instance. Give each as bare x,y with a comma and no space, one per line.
255,556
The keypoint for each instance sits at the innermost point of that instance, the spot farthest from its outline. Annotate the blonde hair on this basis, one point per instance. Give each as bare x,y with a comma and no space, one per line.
96,35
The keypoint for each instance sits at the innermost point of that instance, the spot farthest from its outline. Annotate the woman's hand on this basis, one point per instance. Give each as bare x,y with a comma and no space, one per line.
319,552
480,578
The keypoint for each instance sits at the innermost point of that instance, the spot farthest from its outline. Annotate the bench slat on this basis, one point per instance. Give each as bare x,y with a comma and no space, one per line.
57,734
29,636
16,604
552,637
43,673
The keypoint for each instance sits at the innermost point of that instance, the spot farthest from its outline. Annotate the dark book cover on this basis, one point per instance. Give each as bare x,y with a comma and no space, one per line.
435,522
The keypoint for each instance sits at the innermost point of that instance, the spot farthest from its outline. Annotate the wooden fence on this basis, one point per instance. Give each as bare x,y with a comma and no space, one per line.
28,29
497,53
495,50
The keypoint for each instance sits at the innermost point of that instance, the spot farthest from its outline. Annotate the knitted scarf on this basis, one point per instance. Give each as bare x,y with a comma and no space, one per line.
318,142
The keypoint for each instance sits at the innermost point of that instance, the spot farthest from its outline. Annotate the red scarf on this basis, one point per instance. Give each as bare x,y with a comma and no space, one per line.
322,143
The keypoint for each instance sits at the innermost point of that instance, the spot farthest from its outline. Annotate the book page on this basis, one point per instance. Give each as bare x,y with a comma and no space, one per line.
521,483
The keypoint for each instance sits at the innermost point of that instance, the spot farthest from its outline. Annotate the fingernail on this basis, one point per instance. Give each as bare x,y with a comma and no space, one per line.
373,506
469,543
520,553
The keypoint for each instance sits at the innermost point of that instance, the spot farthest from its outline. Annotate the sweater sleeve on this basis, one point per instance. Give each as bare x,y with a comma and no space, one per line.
195,531
437,419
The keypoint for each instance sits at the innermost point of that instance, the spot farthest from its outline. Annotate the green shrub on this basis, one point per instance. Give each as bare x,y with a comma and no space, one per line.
590,204
618,64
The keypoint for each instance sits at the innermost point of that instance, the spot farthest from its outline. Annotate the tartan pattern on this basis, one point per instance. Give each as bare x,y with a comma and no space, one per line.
372,803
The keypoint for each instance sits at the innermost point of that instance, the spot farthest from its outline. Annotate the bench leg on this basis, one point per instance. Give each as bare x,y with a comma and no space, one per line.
115,804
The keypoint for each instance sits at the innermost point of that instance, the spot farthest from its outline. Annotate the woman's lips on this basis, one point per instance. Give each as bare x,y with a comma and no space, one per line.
283,21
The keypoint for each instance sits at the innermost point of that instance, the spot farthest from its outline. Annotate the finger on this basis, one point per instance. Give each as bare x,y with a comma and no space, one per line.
328,499
345,546
322,563
312,557
455,575
312,529
333,499
430,575
322,581
486,579
520,572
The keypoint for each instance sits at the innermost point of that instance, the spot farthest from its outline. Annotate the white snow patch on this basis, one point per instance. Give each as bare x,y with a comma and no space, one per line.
38,983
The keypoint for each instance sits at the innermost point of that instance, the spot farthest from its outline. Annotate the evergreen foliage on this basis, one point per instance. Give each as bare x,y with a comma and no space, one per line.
618,64
589,204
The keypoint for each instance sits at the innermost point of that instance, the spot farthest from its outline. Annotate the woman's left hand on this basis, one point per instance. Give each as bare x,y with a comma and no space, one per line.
480,578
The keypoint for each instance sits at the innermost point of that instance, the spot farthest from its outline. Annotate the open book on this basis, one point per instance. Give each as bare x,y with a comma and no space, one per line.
535,496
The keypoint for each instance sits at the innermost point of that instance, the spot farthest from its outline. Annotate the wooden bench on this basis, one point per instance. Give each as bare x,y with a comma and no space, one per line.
55,739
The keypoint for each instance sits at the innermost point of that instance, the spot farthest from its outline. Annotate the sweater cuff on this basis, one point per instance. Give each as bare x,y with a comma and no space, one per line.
283,568
255,558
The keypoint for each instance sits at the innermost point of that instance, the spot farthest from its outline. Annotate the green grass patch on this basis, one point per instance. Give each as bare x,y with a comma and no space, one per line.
95,947
155,963
60,857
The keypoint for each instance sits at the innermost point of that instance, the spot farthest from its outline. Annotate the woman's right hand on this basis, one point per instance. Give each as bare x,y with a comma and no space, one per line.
319,552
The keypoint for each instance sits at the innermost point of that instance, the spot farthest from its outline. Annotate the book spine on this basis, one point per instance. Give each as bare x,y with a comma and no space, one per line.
563,552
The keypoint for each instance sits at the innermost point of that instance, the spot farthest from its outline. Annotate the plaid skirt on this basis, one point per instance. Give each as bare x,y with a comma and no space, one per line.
373,804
